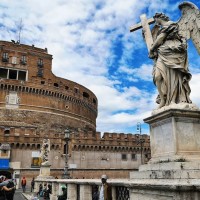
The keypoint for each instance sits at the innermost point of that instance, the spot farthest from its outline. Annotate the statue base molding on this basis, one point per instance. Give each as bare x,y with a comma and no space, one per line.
166,181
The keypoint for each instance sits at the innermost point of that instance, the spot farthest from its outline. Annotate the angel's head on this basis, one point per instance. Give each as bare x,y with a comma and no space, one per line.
160,17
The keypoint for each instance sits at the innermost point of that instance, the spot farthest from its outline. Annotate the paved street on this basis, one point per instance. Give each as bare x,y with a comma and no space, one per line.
18,195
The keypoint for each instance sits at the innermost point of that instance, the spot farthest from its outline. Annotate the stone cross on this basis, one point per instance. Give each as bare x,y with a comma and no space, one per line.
145,28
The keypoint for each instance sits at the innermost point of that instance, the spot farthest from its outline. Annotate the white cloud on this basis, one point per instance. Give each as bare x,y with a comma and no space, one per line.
144,72
195,85
81,36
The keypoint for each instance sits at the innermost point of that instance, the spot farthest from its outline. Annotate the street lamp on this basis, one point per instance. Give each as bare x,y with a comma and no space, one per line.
67,133
140,140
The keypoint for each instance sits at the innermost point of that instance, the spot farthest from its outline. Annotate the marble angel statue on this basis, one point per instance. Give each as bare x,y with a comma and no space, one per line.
169,51
45,149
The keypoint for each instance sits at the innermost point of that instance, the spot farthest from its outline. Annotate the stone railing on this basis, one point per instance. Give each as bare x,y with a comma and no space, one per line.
84,189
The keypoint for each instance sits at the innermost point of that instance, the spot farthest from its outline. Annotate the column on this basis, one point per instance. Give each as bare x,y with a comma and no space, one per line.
54,194
114,192
72,191
85,192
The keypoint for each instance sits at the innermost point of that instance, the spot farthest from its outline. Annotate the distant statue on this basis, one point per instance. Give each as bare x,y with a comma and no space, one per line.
45,149
169,51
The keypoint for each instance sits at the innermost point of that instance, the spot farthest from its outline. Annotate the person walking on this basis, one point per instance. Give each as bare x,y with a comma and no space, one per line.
105,189
32,185
23,184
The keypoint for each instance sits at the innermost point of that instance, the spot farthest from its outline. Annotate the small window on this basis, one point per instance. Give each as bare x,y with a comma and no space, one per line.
5,57
7,132
22,76
76,90
12,74
42,82
3,73
40,72
56,85
40,62
124,157
134,157
66,87
23,60
94,101
86,95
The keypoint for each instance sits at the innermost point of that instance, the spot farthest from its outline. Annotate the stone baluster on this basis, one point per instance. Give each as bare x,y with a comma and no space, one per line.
85,192
72,192
114,192
55,191
36,187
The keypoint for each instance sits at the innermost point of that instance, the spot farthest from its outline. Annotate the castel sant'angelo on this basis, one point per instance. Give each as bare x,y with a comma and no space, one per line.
35,104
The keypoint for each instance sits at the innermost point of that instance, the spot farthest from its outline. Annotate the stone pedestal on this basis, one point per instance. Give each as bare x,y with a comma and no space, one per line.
45,172
173,173
175,135
44,175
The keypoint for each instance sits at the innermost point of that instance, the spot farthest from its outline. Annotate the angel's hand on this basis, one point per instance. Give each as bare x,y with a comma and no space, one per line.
151,54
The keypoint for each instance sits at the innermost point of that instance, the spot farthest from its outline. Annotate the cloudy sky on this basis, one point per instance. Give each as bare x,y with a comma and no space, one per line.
91,44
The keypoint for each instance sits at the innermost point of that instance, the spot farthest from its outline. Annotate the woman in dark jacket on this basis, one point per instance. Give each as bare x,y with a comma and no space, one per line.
3,190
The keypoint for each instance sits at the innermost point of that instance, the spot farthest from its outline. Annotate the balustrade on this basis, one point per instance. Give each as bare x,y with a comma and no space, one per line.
84,189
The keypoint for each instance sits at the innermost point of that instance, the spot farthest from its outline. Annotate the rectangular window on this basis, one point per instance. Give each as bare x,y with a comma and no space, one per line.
12,74
40,62
5,57
76,90
134,157
23,60
40,72
124,157
3,73
22,76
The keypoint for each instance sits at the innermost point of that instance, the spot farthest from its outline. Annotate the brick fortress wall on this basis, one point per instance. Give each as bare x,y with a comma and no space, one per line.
114,154
34,104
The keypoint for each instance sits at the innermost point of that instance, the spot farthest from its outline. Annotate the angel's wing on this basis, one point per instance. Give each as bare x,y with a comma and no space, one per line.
189,23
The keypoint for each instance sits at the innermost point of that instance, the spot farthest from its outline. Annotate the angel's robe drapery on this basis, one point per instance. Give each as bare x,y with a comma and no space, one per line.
172,63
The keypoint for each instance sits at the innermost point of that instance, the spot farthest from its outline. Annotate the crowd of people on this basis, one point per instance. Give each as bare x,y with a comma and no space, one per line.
7,189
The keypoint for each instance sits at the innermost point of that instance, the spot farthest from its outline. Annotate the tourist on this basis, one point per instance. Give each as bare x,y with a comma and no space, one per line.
32,185
23,184
105,189
47,192
40,190
95,193
64,195
4,189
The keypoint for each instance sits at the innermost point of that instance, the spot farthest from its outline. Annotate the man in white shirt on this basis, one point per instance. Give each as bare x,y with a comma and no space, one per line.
105,190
